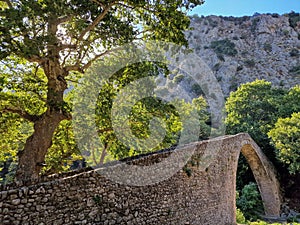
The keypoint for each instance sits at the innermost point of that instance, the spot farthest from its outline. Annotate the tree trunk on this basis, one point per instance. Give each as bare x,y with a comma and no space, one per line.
32,158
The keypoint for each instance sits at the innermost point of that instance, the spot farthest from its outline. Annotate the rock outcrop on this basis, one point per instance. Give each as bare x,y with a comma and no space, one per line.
240,50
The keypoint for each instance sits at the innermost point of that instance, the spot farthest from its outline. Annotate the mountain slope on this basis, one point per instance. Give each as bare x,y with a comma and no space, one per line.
240,50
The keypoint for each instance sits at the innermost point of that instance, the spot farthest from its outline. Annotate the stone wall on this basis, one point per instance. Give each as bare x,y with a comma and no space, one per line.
203,192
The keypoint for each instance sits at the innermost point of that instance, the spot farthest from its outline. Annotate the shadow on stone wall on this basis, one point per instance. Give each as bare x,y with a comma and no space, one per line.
202,192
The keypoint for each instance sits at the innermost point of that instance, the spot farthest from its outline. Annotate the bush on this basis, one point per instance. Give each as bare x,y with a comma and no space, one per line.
294,18
267,47
249,62
294,52
225,47
240,218
178,78
285,136
265,223
212,22
255,21
286,32
295,70
250,202
196,88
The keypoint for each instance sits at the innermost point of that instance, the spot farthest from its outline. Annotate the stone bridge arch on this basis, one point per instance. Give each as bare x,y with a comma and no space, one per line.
264,174
202,193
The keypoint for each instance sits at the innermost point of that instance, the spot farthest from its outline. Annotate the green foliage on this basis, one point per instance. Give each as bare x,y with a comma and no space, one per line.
240,218
178,78
249,202
44,44
24,90
253,108
265,223
290,102
212,23
225,47
64,150
267,47
286,137
196,88
294,18
286,32
249,62
141,114
295,70
256,108
24,30
294,52
188,171
255,22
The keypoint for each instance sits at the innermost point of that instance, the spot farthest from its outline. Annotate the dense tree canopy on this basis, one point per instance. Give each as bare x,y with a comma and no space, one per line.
265,112
53,41
253,108
286,137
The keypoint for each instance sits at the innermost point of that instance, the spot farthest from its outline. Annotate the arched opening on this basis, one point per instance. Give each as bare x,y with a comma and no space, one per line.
265,176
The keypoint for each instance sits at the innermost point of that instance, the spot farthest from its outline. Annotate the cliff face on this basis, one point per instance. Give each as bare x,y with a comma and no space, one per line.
240,50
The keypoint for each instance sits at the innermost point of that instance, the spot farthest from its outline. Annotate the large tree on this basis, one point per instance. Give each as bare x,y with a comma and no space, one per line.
61,38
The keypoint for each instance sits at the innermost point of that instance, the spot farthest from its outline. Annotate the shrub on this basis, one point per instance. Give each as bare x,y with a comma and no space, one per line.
187,170
294,52
268,47
178,78
286,32
196,18
249,62
250,202
254,24
225,47
275,15
240,218
212,22
239,68
295,70
196,88
294,18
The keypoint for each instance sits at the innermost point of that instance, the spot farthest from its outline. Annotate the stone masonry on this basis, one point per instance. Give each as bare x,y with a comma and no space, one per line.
202,192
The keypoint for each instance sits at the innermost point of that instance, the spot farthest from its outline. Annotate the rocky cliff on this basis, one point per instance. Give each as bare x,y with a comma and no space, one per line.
240,50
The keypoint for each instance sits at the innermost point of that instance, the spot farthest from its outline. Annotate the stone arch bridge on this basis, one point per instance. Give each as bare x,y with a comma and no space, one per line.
203,192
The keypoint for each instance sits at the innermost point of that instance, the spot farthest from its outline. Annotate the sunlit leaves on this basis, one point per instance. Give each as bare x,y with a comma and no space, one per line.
267,113
253,109
286,137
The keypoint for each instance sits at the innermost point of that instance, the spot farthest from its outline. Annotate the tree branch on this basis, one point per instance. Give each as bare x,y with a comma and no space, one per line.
89,63
81,69
63,19
75,67
35,58
96,21
67,46
21,113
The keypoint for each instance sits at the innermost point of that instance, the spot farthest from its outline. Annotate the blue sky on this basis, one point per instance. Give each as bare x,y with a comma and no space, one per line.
246,7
